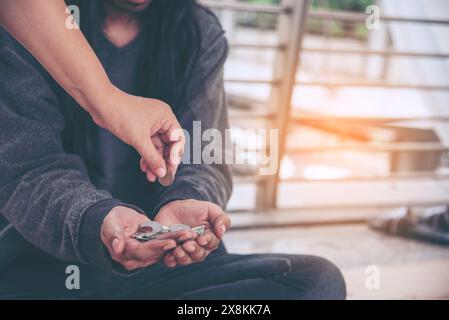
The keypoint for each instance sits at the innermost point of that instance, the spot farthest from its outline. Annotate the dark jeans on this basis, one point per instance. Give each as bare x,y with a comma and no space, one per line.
221,276
438,221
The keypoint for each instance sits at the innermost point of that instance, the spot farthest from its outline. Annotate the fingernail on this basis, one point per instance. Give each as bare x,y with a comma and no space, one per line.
161,172
223,229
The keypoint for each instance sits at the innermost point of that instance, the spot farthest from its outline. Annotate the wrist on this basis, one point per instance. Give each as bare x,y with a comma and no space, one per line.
104,106
90,242
91,93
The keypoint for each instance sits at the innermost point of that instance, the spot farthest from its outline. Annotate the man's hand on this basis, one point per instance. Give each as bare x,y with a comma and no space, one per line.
116,233
194,213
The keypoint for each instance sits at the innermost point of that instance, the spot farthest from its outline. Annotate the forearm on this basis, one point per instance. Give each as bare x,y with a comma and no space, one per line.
41,27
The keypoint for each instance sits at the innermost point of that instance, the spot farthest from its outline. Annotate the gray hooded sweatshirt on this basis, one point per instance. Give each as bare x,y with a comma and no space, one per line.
51,196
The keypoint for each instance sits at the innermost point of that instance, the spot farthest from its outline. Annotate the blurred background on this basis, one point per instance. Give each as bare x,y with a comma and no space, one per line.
359,90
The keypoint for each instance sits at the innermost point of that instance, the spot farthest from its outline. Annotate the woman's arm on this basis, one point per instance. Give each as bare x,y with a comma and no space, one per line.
41,27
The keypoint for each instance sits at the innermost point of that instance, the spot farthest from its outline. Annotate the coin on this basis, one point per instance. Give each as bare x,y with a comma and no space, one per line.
151,230
168,179
179,227
141,236
150,227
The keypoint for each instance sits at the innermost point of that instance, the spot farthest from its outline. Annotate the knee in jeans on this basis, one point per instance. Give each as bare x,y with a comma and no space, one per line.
328,279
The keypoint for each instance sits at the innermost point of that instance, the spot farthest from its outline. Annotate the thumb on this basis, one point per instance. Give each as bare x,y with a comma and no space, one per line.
118,243
113,237
153,158
175,153
219,220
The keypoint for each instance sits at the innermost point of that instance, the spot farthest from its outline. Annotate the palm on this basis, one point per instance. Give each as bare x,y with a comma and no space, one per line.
130,222
116,233
193,215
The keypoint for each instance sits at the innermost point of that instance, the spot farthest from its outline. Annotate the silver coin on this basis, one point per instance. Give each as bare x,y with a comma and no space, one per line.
168,179
155,227
145,236
179,227
141,237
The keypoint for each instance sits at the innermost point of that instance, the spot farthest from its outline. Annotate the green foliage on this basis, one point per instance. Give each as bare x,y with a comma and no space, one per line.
351,5
347,5
332,28
340,28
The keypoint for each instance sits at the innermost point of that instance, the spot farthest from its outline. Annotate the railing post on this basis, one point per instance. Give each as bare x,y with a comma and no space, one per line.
291,29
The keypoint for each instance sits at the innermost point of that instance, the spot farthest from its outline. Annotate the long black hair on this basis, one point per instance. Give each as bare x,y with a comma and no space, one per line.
172,38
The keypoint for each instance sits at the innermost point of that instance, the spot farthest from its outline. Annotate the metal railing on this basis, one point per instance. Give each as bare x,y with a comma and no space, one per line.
293,15
434,55
360,17
240,6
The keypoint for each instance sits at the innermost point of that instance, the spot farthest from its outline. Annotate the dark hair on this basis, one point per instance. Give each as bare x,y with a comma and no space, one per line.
173,39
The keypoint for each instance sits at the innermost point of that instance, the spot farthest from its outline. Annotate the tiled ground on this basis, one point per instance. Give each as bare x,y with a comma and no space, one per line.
407,269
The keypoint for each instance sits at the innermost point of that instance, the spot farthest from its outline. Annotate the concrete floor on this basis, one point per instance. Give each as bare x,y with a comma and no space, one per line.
407,269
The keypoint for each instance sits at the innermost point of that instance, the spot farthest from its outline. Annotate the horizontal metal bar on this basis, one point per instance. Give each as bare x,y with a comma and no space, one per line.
257,46
393,177
239,6
415,20
399,146
376,205
378,52
361,84
253,81
367,205
306,117
258,224
361,17
311,117
301,117
335,85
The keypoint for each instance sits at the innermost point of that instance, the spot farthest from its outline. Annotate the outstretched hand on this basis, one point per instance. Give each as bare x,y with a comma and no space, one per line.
116,233
194,213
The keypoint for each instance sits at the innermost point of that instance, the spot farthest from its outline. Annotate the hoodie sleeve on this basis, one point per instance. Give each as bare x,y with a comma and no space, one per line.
45,193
